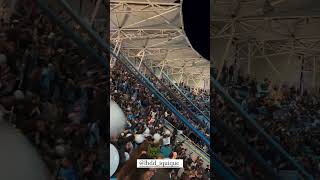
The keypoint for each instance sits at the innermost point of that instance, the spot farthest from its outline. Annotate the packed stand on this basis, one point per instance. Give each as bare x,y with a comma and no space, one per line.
146,129
199,97
52,94
291,117
199,123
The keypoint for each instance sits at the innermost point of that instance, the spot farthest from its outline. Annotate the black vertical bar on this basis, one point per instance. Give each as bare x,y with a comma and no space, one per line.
197,25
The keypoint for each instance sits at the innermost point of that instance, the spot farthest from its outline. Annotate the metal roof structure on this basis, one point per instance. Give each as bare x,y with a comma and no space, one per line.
269,38
151,31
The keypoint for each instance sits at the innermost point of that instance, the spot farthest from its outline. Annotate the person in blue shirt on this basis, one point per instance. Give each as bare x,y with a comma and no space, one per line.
131,116
67,171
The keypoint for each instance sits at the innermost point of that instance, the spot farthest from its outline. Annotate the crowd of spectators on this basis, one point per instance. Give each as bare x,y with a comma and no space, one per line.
291,118
55,96
146,128
192,102
196,112
184,108
198,96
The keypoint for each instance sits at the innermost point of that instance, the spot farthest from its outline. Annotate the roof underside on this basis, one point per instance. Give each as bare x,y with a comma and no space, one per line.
152,31
267,21
266,30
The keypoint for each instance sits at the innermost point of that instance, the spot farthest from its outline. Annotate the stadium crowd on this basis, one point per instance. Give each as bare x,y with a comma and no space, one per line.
199,97
189,112
192,102
57,98
291,117
54,96
147,119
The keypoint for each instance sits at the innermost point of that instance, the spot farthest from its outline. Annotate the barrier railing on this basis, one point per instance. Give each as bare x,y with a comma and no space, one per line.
199,150
183,107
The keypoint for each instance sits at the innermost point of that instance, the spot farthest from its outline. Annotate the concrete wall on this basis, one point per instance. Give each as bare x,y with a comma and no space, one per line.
289,68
